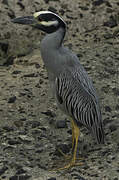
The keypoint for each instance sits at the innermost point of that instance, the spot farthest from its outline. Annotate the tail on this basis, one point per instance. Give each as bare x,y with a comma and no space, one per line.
98,132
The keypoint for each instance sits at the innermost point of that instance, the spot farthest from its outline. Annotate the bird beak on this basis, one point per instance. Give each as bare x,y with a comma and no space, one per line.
30,20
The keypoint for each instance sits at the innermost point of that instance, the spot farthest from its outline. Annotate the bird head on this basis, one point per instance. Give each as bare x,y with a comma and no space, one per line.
46,21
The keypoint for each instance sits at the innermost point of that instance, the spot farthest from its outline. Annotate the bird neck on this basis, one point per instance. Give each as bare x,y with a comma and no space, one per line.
54,40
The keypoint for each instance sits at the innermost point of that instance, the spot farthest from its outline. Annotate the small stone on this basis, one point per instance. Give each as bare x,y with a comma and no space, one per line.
108,109
98,2
52,178
2,170
13,142
8,128
46,1
20,171
30,75
49,113
111,22
112,127
115,178
78,177
9,61
4,46
35,124
12,99
61,124
21,5
23,177
37,66
117,107
13,178
115,91
5,2
26,138
16,72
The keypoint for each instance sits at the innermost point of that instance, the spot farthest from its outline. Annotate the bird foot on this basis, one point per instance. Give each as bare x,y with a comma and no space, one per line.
65,155
68,166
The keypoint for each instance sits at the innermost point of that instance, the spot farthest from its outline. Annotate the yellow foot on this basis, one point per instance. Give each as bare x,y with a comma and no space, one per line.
63,154
70,165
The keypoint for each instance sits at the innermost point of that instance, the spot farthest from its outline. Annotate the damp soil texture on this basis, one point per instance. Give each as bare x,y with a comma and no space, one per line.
32,128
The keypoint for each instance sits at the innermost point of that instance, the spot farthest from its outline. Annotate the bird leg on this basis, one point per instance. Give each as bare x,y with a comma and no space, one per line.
73,137
75,134
73,143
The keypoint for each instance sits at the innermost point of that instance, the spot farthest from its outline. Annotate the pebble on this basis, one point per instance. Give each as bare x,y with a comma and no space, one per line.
5,2
2,170
52,178
98,2
13,142
111,22
22,177
108,109
26,138
12,99
61,124
49,113
112,127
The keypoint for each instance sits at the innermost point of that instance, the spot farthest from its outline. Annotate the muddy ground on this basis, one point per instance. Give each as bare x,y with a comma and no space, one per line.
31,126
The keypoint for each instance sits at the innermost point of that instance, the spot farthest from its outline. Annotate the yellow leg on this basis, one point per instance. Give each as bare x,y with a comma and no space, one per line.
73,138
73,142
75,134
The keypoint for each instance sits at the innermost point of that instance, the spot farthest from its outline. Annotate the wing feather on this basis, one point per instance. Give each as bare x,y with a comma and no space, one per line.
79,100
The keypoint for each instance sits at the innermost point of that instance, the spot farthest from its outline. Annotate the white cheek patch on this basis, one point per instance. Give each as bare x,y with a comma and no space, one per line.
49,23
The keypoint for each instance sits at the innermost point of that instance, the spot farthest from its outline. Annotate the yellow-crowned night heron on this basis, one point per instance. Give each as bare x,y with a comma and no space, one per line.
71,85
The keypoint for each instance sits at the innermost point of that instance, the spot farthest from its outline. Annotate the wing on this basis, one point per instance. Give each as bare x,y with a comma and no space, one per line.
76,95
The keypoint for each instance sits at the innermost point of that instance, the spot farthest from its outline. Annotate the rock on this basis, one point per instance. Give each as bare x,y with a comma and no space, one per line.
108,109
11,14
16,72
26,138
61,124
46,1
20,171
9,61
31,75
112,127
8,128
115,91
37,65
21,5
98,2
13,142
5,2
35,124
4,46
117,107
49,113
52,178
22,177
12,99
2,170
112,22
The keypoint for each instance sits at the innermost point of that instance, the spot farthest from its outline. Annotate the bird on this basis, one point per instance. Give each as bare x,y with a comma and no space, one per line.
73,89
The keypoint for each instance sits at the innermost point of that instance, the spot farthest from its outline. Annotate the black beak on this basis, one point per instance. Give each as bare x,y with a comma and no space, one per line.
25,20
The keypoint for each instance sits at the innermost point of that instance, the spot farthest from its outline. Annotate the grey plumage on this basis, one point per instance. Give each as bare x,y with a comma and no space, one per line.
73,88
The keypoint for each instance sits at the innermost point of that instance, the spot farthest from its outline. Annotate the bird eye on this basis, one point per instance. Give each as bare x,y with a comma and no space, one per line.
39,18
